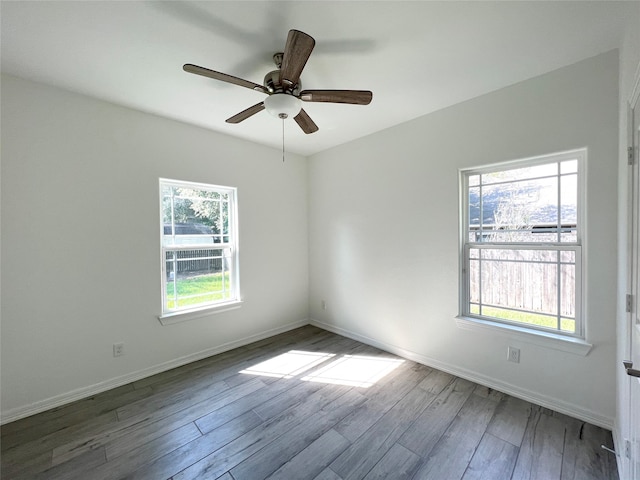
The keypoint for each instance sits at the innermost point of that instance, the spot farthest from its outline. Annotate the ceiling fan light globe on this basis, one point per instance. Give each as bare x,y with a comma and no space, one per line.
281,104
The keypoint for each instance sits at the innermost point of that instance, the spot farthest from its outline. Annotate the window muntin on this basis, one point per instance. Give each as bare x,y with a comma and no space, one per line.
522,243
199,246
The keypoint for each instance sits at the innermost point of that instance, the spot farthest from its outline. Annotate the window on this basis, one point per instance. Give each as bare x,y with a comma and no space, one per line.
199,246
521,243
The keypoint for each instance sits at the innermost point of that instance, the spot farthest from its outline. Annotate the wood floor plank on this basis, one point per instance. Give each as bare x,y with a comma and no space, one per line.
583,458
153,424
311,461
258,398
381,397
425,432
287,399
453,452
121,465
47,443
194,451
364,453
510,420
494,459
282,449
398,463
242,445
540,456
245,446
47,423
10,429
27,468
328,474
172,401
78,467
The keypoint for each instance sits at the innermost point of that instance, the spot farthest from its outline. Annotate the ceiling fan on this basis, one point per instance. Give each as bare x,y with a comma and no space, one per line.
283,87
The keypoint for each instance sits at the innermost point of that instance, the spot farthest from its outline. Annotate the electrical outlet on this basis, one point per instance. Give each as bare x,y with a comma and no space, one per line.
323,304
118,349
513,354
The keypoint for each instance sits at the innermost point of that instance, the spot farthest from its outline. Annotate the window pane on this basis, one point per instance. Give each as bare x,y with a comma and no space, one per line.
568,291
528,318
520,173
521,285
568,325
517,255
569,199
170,275
223,220
474,206
197,276
520,236
474,281
569,166
194,217
519,206
568,256
570,236
520,280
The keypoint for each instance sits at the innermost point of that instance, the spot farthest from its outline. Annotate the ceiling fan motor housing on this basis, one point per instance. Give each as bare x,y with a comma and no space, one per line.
273,83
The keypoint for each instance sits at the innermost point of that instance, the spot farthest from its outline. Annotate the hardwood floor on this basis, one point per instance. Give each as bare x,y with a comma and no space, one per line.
260,412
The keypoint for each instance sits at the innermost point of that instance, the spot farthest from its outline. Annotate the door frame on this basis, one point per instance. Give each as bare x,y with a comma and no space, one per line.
629,451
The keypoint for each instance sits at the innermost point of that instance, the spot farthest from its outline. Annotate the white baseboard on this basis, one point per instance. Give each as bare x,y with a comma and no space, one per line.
84,392
534,397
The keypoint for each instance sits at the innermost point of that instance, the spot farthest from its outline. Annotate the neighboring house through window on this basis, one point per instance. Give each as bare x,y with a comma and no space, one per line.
522,242
199,246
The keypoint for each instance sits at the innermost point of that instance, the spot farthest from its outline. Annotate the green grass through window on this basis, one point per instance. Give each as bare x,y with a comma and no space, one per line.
529,318
209,288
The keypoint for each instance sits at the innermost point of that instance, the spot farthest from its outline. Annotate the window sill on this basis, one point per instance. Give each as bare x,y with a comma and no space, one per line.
576,346
186,315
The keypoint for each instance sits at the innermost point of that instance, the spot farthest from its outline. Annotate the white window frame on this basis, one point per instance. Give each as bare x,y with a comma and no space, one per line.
179,314
574,342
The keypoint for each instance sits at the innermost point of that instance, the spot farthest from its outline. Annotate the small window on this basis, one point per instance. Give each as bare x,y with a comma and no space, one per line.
522,243
199,246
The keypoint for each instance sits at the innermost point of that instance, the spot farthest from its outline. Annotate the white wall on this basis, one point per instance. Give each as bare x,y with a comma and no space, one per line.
80,246
629,75
384,233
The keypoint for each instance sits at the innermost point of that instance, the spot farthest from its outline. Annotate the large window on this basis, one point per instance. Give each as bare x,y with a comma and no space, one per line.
522,243
199,246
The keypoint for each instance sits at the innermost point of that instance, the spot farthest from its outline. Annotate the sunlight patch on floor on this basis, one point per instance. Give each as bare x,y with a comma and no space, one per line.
289,364
355,370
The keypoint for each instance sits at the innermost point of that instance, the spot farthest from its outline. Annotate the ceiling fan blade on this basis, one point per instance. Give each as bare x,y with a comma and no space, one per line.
356,97
296,53
306,124
243,115
205,72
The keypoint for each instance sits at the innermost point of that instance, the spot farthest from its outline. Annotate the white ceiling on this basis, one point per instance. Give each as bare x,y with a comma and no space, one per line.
416,56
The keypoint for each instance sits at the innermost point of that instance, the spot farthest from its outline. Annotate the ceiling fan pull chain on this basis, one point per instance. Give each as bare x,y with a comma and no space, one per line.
283,139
